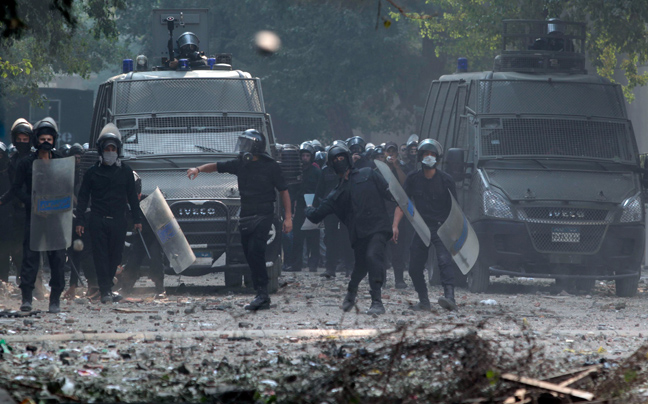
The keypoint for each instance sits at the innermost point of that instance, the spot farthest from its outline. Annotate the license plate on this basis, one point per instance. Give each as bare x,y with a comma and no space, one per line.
203,254
565,235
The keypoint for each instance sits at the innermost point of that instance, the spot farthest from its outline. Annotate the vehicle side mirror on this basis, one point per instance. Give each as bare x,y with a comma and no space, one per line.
455,164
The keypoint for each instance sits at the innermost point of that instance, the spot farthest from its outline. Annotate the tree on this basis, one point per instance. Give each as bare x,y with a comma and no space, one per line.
471,28
41,38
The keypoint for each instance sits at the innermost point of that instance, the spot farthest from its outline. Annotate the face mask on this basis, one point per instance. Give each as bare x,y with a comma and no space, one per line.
341,166
23,147
109,157
429,162
47,146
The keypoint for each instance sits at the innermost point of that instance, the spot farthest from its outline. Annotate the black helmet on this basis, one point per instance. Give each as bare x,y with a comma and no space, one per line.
378,151
45,126
429,145
138,183
320,158
307,147
337,150
188,43
109,134
413,140
356,144
21,126
76,150
65,150
317,145
249,143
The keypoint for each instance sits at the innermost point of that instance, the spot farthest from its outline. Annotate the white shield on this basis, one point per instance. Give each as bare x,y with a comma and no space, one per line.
52,203
168,232
459,238
408,208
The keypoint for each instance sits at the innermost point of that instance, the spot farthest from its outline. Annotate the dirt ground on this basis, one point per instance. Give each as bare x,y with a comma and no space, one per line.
106,353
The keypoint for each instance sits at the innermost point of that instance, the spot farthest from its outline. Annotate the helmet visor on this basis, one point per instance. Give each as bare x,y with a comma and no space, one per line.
245,144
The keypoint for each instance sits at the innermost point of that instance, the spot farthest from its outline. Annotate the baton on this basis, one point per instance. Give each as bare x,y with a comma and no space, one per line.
76,272
144,243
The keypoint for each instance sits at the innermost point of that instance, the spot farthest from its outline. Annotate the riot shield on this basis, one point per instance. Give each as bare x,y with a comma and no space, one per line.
168,232
460,239
52,194
408,208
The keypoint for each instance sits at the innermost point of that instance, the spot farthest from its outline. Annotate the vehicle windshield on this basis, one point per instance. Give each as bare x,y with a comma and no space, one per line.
185,135
575,138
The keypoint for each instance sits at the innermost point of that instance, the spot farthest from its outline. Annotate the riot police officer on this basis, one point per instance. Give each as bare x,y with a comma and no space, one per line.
21,138
44,139
5,213
311,175
429,188
359,201
258,178
110,186
188,48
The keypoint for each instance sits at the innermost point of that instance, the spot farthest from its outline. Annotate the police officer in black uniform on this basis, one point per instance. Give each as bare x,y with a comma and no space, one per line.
311,175
188,48
333,233
5,214
359,202
44,139
110,186
429,188
21,137
258,178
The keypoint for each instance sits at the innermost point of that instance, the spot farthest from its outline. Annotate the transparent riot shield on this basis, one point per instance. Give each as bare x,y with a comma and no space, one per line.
459,238
52,194
408,208
168,232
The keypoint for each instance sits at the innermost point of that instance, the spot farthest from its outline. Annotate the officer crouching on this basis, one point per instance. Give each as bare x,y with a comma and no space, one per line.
110,186
258,177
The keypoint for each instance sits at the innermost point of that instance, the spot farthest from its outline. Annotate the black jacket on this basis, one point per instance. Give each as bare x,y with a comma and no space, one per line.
359,203
14,159
311,177
111,189
431,196
327,183
22,185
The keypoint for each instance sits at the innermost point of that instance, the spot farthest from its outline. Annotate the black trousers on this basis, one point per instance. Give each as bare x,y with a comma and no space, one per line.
11,244
31,262
369,257
400,252
254,247
311,237
137,256
107,236
418,258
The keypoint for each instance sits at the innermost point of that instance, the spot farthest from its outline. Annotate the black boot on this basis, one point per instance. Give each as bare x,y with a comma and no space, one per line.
260,302
423,304
55,302
26,300
349,300
328,274
376,303
106,296
448,299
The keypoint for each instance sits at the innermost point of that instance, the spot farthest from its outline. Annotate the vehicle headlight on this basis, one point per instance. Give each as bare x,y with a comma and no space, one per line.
495,205
632,209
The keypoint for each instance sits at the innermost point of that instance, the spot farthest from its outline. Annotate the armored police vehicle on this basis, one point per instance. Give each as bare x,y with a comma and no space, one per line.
176,117
545,160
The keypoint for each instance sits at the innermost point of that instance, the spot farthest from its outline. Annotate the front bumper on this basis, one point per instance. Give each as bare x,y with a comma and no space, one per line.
610,251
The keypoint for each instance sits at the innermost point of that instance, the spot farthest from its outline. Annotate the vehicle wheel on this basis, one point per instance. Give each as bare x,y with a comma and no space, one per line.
233,279
273,275
478,278
627,287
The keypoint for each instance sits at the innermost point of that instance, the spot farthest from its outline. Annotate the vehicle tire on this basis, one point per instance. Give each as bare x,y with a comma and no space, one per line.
478,278
273,275
233,279
627,287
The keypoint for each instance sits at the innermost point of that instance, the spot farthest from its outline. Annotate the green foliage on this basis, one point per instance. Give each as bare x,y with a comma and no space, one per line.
57,37
471,28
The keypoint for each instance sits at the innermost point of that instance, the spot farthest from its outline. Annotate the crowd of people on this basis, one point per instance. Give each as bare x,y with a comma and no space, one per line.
340,215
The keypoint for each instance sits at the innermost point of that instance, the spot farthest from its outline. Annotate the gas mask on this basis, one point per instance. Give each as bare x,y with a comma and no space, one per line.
46,146
109,157
429,162
341,166
23,147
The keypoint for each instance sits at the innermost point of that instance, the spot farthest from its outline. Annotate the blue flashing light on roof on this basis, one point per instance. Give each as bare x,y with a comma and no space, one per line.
211,62
127,65
462,65
183,64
